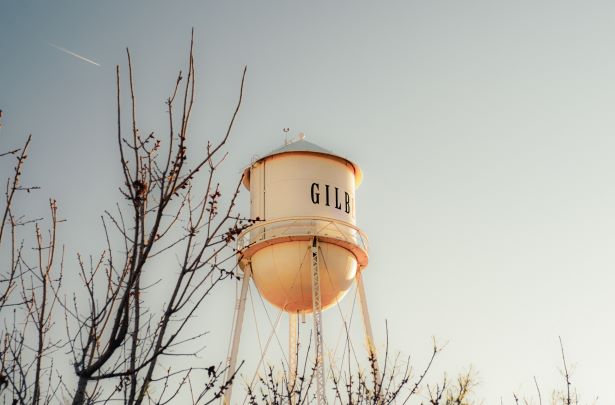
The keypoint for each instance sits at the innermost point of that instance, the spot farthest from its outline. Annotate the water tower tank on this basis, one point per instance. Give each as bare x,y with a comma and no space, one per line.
300,192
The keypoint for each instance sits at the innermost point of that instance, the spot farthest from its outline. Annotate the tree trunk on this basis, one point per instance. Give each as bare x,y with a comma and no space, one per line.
79,398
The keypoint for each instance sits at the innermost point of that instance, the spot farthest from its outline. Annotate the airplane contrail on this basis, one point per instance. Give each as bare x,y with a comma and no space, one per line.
83,58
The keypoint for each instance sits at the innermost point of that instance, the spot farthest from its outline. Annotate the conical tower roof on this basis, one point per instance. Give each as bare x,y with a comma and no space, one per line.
303,146
300,146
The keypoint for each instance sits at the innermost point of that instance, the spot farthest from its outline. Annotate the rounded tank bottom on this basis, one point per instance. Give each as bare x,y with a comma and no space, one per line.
283,274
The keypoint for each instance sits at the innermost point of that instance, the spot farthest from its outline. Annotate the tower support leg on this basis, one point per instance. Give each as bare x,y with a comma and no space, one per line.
293,354
369,335
240,310
317,313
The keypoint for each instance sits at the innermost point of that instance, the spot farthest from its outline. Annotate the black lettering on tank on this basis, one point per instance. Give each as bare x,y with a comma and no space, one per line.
315,193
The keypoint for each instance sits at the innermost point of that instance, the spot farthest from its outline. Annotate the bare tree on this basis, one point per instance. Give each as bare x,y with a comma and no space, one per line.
394,383
452,393
127,320
173,208
29,283
353,382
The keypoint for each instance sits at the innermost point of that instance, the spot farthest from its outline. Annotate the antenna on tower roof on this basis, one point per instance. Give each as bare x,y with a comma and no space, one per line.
286,130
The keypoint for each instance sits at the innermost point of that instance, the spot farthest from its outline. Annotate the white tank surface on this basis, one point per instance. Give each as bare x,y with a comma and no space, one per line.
300,192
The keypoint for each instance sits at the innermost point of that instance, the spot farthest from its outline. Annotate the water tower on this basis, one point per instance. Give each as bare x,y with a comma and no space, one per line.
305,251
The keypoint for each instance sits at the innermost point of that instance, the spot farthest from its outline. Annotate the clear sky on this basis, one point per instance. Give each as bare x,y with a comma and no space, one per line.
485,130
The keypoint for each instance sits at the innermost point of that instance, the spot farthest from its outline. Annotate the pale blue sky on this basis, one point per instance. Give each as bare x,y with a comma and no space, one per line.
485,131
